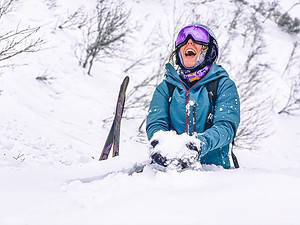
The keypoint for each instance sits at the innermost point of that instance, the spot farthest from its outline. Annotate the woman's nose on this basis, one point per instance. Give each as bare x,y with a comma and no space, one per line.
190,42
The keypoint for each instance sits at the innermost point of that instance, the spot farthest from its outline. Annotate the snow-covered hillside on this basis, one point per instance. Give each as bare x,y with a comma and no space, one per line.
52,131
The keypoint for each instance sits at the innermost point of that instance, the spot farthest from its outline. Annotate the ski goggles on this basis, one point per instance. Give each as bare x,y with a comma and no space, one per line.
198,33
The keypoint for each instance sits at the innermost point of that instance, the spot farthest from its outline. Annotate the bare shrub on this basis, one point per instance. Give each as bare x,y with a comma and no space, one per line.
232,33
292,25
45,78
250,76
292,105
75,20
5,7
106,32
17,41
51,4
272,10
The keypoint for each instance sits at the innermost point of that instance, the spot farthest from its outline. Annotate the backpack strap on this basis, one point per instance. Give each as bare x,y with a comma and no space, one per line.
234,158
212,88
171,89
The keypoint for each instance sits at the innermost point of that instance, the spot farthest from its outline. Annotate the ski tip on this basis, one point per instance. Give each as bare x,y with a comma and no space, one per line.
125,82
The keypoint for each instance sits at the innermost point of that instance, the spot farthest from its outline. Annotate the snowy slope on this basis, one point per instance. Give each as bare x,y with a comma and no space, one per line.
51,133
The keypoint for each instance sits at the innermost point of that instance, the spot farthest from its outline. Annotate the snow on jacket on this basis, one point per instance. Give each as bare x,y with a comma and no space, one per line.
185,99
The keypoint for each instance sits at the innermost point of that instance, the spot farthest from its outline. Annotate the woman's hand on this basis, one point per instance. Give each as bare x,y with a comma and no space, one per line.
172,150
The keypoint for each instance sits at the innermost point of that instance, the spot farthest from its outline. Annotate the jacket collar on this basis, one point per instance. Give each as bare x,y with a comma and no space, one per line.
215,72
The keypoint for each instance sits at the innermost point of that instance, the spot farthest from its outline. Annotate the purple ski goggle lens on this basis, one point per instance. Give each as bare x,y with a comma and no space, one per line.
198,33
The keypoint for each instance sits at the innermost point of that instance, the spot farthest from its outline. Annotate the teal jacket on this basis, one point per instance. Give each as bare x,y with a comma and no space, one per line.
190,104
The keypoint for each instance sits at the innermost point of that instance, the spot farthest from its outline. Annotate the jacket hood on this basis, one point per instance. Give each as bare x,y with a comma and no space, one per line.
215,72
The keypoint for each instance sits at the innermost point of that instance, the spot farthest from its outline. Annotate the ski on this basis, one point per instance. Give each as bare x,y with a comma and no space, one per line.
138,168
113,138
134,169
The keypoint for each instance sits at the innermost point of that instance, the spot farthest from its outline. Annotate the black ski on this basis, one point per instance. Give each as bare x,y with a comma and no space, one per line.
113,138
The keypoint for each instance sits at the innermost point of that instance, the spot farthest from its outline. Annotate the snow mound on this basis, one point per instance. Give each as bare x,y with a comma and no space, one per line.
174,146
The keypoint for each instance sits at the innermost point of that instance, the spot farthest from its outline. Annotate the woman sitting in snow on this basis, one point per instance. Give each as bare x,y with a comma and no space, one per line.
196,99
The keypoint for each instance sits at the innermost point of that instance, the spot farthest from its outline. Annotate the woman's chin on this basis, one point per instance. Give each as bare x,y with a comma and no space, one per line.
189,62
189,65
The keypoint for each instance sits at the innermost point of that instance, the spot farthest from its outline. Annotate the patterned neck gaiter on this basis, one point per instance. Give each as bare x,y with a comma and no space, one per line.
191,77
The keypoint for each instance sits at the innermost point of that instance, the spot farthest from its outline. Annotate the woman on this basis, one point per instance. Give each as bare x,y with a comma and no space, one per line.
183,102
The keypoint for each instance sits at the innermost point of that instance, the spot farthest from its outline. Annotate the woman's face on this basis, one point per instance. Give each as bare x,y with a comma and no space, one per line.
190,52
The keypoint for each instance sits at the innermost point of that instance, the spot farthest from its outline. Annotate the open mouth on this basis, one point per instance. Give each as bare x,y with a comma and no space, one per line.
190,52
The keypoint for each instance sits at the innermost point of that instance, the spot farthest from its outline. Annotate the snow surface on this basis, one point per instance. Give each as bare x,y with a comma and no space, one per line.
51,134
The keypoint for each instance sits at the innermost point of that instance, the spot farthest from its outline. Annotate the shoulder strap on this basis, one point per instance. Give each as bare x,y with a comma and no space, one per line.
212,88
171,88
234,158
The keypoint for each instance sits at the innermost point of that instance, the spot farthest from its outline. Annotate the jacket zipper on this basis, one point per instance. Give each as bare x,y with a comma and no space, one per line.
194,118
187,92
187,98
187,109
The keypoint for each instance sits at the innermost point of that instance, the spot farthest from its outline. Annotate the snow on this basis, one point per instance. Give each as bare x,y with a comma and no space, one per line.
245,196
52,131
174,146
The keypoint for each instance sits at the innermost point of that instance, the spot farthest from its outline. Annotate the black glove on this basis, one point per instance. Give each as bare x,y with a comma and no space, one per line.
157,157
185,163
192,147
154,143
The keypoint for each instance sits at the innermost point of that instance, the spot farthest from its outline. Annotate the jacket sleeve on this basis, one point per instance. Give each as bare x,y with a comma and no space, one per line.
158,114
226,118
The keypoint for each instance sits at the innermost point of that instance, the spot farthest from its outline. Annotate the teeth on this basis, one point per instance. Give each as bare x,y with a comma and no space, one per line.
190,52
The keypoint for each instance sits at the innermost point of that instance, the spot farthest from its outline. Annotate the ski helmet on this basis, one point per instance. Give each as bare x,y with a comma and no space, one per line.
200,34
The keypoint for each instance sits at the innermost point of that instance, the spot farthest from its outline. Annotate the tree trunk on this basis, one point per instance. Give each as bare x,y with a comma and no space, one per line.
90,66
85,61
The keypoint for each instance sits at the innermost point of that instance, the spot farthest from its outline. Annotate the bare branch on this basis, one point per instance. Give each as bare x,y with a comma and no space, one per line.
15,42
287,11
292,58
5,7
19,156
51,4
292,106
76,20
19,41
